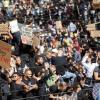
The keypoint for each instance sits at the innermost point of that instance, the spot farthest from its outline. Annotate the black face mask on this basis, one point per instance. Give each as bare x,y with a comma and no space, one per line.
14,81
29,78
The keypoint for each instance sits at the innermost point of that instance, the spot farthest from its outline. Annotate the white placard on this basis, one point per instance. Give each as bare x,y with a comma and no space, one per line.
6,3
14,26
27,31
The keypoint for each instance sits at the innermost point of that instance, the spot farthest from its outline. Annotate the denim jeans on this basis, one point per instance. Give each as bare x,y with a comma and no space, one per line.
68,75
98,95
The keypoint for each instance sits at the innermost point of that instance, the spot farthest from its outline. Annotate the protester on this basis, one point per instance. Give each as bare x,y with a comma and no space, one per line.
52,61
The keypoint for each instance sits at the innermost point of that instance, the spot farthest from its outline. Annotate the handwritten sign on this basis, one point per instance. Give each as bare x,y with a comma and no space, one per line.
14,26
36,41
95,33
26,35
5,54
96,4
58,25
4,28
26,39
27,31
96,1
92,27
6,3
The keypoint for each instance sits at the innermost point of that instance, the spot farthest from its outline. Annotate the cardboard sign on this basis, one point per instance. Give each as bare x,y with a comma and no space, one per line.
5,54
4,29
92,27
14,26
96,4
95,33
26,35
27,31
96,1
58,25
36,41
26,39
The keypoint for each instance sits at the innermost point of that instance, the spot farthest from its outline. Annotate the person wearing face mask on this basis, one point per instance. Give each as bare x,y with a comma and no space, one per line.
30,87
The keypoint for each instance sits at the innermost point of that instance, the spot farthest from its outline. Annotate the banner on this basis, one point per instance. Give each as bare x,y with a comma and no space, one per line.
14,26
5,54
4,29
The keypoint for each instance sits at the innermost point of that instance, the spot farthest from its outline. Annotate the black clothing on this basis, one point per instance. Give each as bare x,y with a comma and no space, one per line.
17,91
37,69
60,63
20,68
31,93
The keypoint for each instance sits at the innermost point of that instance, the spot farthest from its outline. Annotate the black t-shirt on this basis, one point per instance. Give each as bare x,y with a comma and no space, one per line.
30,82
17,90
60,63
36,69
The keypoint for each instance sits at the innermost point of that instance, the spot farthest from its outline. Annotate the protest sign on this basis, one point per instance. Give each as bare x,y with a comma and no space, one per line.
36,41
4,29
14,26
91,27
21,26
58,25
6,3
96,4
26,35
95,33
26,39
96,1
94,29
94,26
27,31
5,54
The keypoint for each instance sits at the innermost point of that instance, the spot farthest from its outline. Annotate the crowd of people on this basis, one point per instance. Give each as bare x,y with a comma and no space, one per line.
66,63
